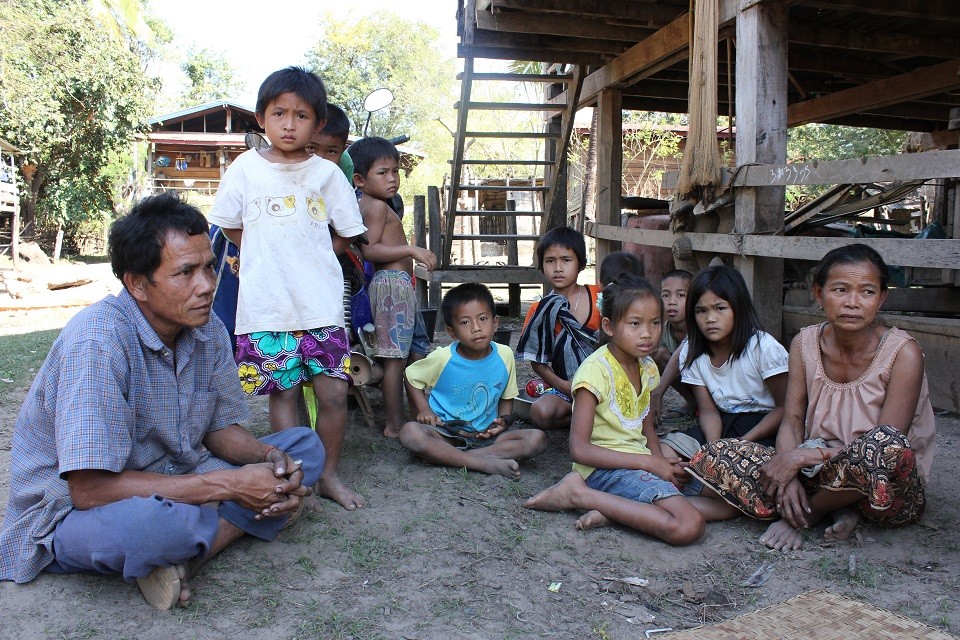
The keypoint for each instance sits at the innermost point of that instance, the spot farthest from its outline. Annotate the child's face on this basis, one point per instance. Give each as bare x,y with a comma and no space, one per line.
326,146
714,317
289,122
637,333
382,181
561,267
473,325
674,294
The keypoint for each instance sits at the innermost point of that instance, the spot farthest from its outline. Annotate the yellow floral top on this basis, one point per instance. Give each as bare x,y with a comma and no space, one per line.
620,410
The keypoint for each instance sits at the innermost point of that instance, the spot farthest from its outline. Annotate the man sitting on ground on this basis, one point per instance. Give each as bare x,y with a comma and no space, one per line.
128,456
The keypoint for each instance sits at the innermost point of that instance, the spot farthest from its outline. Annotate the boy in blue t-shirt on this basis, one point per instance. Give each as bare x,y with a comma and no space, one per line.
465,419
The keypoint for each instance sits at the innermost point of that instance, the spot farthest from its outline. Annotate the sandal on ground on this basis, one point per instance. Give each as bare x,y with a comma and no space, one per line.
161,587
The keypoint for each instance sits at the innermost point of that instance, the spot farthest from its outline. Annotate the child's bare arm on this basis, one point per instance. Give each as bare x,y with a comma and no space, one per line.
380,251
425,414
710,422
233,235
587,453
670,373
340,243
554,381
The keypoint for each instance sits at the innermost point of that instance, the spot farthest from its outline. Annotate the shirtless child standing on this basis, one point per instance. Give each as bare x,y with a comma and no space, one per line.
392,296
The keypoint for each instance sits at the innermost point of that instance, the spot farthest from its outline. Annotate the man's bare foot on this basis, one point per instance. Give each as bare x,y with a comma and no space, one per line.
560,496
845,521
165,587
332,487
508,468
782,537
592,520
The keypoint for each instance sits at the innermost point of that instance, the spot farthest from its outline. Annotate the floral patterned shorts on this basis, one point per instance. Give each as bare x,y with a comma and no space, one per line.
274,361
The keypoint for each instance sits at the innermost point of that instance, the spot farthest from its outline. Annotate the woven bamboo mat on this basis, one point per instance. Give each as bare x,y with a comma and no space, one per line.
816,615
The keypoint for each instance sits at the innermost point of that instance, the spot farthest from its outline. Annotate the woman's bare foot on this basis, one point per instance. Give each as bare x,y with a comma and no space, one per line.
560,496
844,522
509,469
391,431
592,520
332,487
782,537
165,587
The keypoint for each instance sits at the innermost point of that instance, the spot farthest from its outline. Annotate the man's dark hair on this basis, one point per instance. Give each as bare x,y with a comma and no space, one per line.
306,85
618,263
365,151
137,239
338,124
463,294
566,237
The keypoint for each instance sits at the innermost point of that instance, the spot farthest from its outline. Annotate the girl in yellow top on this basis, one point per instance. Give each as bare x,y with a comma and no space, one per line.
620,474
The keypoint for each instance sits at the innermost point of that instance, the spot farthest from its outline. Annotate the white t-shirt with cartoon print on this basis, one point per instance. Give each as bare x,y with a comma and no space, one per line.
290,279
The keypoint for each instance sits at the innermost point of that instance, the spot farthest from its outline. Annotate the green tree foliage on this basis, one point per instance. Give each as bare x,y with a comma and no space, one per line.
210,75
72,92
385,50
833,142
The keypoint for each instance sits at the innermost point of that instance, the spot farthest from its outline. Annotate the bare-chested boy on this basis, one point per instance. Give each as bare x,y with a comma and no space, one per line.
377,174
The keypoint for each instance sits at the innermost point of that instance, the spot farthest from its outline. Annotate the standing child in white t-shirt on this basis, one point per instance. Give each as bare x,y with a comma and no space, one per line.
738,372
284,204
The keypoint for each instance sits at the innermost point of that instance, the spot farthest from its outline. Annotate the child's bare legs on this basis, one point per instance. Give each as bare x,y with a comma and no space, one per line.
783,537
551,412
500,458
712,507
283,409
413,357
392,388
331,427
673,520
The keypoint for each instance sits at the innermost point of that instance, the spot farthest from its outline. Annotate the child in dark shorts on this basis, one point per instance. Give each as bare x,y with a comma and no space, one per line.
465,419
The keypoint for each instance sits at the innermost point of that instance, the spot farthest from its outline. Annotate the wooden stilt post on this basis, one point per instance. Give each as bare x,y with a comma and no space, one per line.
609,166
761,101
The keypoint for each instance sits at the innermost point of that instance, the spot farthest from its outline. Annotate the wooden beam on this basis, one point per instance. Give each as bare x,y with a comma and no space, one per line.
555,211
609,165
899,44
652,14
908,86
895,251
584,26
486,38
761,103
944,10
534,55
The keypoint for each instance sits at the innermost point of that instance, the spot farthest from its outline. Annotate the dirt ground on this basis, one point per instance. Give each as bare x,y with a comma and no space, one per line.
441,553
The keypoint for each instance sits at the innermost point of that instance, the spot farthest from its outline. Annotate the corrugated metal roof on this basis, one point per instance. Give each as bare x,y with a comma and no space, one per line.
200,108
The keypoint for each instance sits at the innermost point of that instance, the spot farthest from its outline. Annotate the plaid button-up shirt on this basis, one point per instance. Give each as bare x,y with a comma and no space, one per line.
111,396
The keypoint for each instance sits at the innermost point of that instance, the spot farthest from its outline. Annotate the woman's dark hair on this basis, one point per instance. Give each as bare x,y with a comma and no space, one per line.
463,294
851,254
727,283
304,84
620,294
137,239
365,151
567,238
618,263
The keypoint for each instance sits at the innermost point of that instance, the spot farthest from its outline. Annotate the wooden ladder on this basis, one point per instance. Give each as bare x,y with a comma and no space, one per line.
551,172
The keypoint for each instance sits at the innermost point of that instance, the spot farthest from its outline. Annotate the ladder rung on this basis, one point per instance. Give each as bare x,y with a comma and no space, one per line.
489,212
521,77
512,106
538,135
493,237
527,163
495,187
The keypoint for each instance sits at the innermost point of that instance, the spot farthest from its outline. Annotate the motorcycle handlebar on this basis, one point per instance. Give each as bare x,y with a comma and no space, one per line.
400,139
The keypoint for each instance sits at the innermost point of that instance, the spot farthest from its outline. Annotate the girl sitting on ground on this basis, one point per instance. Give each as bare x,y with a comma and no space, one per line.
620,474
737,371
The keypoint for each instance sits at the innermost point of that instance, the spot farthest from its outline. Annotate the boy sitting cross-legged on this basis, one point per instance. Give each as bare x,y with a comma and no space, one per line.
392,295
465,419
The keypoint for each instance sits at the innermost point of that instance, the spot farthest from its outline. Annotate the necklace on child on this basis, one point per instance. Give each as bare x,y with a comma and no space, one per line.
577,304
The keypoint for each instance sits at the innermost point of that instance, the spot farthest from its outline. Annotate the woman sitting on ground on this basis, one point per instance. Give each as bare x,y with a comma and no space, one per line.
846,376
